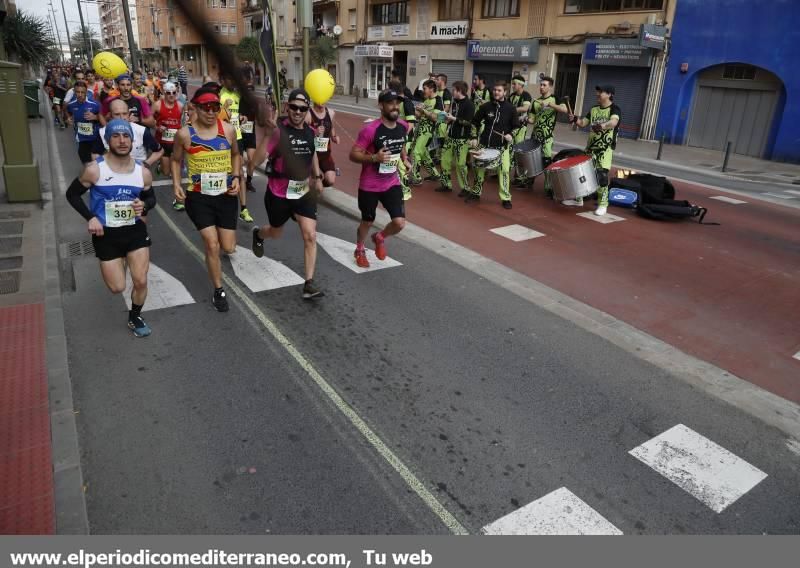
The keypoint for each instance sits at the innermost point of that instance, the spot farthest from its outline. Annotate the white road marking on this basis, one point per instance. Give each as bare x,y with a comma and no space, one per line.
792,191
796,356
264,273
709,472
163,290
163,182
727,199
558,513
794,446
342,252
517,233
780,195
604,219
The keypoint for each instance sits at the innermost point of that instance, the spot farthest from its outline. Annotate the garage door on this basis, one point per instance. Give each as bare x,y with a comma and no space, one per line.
454,69
741,116
630,84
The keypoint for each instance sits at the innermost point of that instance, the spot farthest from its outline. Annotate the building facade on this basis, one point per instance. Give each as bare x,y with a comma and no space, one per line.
733,77
112,27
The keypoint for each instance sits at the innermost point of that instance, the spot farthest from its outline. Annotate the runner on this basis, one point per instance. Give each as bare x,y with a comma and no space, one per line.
604,120
428,115
59,92
291,192
210,199
321,121
495,121
119,193
248,119
229,98
86,118
379,148
139,107
543,118
456,145
142,142
521,99
168,114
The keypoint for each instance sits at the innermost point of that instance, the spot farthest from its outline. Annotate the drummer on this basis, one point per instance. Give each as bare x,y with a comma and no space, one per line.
604,120
495,121
521,99
543,118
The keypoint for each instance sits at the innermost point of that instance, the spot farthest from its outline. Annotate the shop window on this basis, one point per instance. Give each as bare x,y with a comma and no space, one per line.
585,6
500,8
453,9
391,13
739,72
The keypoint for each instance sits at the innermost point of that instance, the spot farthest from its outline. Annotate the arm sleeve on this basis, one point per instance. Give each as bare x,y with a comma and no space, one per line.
148,196
75,197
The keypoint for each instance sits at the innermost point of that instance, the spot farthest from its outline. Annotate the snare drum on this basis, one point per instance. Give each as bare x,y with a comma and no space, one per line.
488,158
573,177
530,162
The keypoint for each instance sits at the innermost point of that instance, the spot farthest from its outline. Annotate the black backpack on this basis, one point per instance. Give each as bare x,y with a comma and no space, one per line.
657,200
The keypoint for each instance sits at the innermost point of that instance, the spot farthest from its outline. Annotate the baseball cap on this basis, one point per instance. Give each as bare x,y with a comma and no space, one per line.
170,86
390,95
605,89
299,95
118,126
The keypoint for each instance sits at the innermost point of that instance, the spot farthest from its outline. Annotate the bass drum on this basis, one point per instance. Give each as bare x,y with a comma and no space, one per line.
573,177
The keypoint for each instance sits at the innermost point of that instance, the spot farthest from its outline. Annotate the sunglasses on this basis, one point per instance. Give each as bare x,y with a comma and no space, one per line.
170,92
209,107
298,108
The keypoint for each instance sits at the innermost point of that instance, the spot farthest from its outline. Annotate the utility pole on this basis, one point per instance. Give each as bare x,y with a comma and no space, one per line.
129,29
305,17
58,32
66,27
87,46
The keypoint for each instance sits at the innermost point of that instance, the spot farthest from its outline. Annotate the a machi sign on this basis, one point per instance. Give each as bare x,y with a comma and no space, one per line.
651,35
521,50
449,30
373,51
621,52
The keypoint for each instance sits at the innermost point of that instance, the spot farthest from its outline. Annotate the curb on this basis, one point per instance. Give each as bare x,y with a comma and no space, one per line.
70,500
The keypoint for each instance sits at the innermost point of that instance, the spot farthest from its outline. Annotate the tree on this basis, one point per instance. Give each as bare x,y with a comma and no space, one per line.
323,51
79,43
26,39
249,50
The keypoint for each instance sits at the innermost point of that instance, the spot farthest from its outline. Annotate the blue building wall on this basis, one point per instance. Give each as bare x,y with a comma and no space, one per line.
709,32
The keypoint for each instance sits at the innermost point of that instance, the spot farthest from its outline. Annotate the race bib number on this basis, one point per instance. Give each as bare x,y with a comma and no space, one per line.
296,189
247,127
56,101
321,144
213,183
120,213
235,120
391,166
85,128
169,135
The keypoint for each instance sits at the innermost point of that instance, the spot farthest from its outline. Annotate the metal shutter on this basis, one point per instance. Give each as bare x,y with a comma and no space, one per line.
630,84
454,69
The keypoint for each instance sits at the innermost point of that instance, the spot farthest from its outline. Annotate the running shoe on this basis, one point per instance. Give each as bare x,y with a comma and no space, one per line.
245,216
220,300
380,246
472,198
311,291
361,258
506,204
443,189
601,210
139,328
258,243
572,202
249,185
431,178
177,205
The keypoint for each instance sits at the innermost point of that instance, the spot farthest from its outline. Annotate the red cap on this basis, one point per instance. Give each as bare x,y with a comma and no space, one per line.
206,98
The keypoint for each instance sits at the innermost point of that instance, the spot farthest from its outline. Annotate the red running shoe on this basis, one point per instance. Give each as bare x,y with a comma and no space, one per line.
380,246
361,258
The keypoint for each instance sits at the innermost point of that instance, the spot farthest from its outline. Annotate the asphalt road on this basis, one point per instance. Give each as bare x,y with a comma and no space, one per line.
213,426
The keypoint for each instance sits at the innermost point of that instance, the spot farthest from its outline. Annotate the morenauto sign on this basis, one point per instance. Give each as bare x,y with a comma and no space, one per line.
449,30
521,50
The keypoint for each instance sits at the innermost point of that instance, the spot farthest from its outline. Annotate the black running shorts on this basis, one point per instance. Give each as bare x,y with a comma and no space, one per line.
117,242
280,209
85,151
391,199
212,210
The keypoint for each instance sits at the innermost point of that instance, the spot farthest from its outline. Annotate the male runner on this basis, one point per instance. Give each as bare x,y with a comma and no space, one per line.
521,99
141,143
86,118
379,148
60,85
604,120
543,118
168,113
229,98
427,115
495,121
138,106
456,144
321,121
213,157
119,193
480,93
293,186
249,118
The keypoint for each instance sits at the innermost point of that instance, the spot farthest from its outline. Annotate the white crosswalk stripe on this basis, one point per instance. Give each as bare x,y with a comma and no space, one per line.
725,199
604,219
342,252
163,290
517,233
558,513
260,274
780,195
700,467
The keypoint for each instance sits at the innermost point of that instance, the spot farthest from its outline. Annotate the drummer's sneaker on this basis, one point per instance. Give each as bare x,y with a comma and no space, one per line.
601,210
573,202
463,193
472,197
443,189
506,204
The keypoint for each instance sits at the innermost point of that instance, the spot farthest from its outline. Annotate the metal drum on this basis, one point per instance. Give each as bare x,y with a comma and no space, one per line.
530,162
573,177
488,158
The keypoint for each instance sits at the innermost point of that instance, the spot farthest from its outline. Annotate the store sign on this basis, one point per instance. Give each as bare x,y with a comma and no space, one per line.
376,32
653,36
621,52
523,50
374,51
400,30
449,30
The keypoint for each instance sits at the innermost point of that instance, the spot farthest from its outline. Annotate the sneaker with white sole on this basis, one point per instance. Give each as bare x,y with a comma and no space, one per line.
572,203
601,210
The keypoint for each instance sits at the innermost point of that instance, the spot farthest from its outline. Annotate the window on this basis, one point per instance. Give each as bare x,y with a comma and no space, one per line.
213,3
453,9
281,29
500,8
226,3
232,29
216,29
352,16
391,13
741,72
584,6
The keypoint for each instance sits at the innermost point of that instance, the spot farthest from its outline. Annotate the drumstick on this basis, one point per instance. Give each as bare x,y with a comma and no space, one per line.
569,110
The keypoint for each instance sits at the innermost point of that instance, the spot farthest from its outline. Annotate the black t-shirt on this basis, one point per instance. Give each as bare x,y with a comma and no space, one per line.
296,150
464,111
393,139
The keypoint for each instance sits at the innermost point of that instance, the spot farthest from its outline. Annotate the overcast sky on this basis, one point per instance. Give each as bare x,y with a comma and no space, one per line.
89,7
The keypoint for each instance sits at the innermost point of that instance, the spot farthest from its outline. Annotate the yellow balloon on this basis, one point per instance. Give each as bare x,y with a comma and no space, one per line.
108,65
320,86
